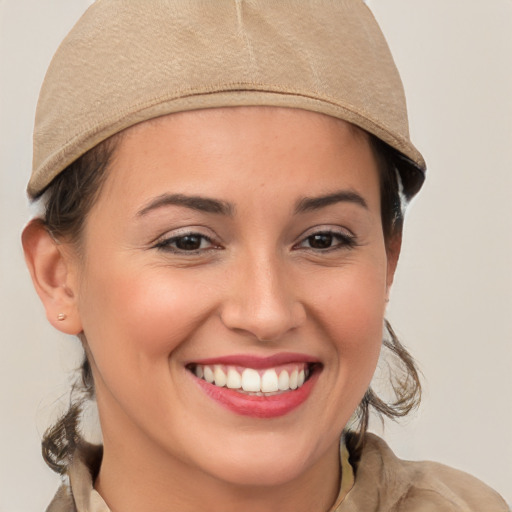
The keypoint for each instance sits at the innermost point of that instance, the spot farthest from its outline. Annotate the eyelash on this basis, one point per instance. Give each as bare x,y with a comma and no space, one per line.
167,243
335,239
344,241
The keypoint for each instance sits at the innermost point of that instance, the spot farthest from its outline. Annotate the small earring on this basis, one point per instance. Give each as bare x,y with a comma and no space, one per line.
61,317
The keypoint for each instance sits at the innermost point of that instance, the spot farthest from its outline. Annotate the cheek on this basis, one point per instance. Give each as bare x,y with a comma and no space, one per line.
139,316
350,307
351,302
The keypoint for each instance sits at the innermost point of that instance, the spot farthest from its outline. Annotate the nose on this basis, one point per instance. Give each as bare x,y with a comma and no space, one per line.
260,300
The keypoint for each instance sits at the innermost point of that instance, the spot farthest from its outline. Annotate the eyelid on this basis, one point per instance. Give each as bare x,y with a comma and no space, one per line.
327,228
184,231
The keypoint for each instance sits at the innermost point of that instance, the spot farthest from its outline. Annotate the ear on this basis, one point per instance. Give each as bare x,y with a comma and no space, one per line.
54,274
393,247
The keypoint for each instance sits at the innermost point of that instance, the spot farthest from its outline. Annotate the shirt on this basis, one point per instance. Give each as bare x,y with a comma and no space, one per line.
373,479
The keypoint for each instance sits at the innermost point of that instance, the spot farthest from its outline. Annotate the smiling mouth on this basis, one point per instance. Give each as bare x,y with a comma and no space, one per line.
256,382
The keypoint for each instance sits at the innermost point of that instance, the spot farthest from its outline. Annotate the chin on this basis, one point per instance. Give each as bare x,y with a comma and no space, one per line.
260,473
268,461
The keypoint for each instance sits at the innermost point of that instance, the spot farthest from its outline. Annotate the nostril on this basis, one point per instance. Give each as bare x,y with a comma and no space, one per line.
265,328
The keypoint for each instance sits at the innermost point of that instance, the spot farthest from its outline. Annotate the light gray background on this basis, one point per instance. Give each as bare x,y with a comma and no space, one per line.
452,301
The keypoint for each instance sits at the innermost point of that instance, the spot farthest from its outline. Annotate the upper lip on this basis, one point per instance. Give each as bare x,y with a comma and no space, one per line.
257,362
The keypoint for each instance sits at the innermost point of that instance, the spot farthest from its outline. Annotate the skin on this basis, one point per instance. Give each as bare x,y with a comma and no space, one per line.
258,285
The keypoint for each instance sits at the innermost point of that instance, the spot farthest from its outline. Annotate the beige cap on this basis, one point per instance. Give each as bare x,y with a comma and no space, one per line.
126,61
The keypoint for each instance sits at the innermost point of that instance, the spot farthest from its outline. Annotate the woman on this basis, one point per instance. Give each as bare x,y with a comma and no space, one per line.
224,186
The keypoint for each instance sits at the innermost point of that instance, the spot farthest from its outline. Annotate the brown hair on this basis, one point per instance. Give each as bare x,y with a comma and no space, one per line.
67,202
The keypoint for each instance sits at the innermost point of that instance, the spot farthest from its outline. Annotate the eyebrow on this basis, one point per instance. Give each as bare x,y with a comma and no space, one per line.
198,203
308,204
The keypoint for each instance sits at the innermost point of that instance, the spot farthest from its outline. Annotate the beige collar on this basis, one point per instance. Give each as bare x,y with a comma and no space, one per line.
347,476
87,499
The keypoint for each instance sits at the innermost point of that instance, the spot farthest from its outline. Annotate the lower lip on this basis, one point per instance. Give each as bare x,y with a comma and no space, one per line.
271,406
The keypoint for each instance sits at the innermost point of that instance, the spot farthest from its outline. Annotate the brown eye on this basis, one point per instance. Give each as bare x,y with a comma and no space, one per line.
189,242
321,241
325,241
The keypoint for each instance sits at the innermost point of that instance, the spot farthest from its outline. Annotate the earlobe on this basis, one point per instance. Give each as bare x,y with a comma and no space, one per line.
53,275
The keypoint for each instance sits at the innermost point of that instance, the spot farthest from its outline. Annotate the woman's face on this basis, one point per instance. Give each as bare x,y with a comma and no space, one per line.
243,246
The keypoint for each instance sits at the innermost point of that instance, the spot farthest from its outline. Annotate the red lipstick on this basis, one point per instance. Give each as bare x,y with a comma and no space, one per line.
244,400
257,362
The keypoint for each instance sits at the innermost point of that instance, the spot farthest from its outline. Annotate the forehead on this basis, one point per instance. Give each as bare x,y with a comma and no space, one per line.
248,121
238,149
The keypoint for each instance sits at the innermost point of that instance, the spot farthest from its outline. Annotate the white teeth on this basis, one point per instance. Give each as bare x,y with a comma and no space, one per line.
234,380
220,377
208,374
251,380
269,381
293,379
258,382
284,381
